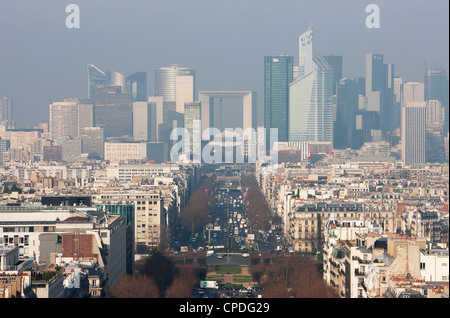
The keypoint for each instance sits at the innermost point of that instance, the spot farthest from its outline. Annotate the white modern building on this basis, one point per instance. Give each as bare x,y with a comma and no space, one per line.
144,121
306,53
117,152
413,92
310,104
413,132
64,119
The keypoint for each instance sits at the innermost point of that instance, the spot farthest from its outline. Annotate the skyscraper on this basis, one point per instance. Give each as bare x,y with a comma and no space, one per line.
413,132
306,52
335,61
144,121
165,81
115,79
6,106
184,91
113,111
412,92
278,74
193,116
136,84
92,139
380,90
346,109
95,77
64,119
4,146
159,101
436,88
310,104
435,119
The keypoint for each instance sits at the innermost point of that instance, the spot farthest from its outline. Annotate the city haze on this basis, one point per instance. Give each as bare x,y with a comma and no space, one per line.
42,61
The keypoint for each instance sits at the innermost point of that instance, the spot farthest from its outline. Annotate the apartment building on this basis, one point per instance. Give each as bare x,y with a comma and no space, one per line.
45,234
150,217
306,223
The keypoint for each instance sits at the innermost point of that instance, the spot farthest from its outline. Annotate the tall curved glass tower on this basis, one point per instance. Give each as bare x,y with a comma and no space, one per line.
310,104
165,81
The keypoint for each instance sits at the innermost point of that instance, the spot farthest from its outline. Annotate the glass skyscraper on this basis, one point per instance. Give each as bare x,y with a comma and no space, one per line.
346,109
380,90
95,77
335,62
136,84
310,104
165,81
193,113
278,74
436,88
305,52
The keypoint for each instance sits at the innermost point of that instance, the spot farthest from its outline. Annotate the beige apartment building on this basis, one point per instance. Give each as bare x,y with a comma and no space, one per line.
150,223
306,223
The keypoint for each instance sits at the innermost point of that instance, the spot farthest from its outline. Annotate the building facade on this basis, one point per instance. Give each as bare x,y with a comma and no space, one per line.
278,74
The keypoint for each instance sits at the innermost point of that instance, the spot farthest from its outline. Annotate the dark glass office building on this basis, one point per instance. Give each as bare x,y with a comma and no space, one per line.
95,77
436,88
136,84
346,108
113,111
335,61
278,74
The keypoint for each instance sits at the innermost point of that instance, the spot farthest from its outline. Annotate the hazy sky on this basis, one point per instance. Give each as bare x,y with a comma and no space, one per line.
225,41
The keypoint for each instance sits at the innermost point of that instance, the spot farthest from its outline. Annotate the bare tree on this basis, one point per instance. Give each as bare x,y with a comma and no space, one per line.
138,286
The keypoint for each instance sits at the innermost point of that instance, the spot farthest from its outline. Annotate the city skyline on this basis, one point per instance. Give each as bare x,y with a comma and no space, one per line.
243,36
204,149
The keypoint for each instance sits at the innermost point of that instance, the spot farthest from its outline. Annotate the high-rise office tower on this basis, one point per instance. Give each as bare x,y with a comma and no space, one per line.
95,77
380,90
144,121
4,146
335,61
92,139
184,91
310,104
113,111
398,89
71,149
159,101
6,106
136,84
192,124
412,92
165,81
435,120
398,95
435,114
86,113
64,119
115,79
278,74
306,52
436,88
346,109
6,112
361,82
413,132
